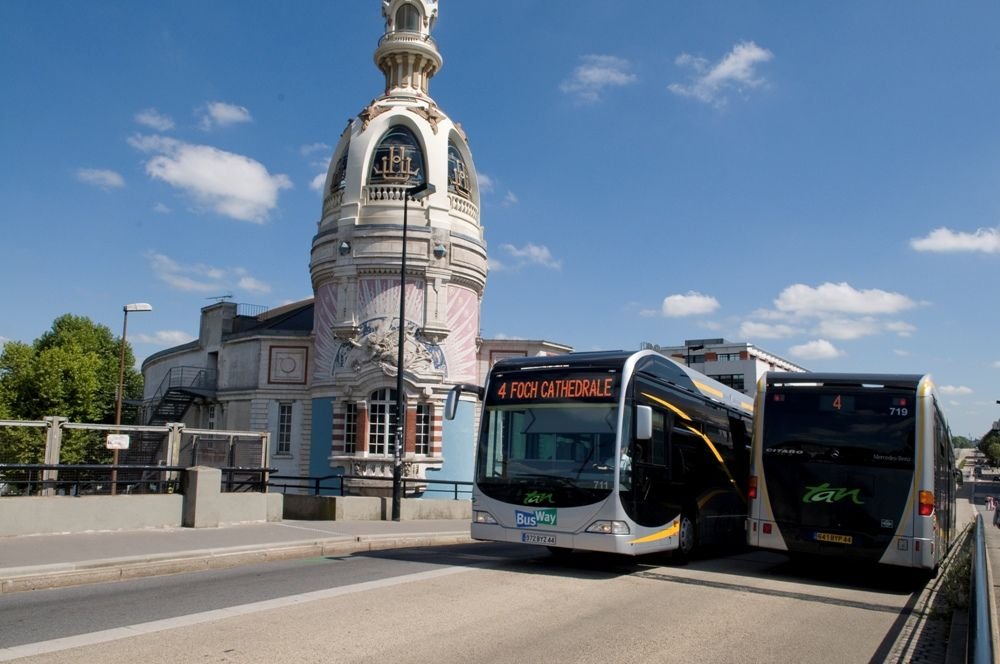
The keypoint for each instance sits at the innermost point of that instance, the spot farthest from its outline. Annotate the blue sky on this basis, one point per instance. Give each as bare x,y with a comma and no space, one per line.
819,179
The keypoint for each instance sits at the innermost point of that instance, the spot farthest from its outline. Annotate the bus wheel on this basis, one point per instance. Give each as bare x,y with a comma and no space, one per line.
685,539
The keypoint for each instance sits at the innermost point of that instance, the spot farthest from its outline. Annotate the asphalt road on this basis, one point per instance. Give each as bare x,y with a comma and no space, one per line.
479,602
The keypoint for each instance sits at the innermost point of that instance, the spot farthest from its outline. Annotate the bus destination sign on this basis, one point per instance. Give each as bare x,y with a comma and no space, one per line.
563,387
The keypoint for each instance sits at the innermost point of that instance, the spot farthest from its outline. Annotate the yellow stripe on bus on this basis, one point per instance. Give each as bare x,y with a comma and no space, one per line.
674,528
708,496
671,406
707,388
718,456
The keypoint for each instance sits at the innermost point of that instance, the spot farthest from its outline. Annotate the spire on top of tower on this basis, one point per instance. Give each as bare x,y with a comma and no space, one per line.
406,54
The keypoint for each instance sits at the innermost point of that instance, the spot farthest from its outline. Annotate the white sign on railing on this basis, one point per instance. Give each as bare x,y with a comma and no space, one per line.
117,441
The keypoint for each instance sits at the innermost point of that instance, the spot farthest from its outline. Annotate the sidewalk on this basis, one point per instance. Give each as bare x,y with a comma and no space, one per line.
34,562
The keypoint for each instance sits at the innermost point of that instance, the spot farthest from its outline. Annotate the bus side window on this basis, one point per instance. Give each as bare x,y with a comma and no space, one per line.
739,432
658,444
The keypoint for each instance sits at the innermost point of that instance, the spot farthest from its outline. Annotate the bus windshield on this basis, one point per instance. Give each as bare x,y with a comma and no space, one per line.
565,449
859,426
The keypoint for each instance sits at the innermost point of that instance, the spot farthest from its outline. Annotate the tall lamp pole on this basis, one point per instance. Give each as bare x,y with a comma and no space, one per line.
416,193
136,306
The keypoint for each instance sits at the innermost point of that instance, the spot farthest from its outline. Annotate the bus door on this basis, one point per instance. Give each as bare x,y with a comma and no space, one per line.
647,498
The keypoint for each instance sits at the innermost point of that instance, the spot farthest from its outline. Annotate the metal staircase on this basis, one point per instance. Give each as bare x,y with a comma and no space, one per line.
177,391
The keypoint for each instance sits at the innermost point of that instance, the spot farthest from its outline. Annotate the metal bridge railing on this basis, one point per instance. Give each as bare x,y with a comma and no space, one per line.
980,640
35,479
338,484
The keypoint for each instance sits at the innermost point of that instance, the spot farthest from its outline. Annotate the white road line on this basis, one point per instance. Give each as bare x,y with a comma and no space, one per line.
104,636
331,533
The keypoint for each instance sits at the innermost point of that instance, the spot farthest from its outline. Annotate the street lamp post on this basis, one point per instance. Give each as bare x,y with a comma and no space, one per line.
136,306
416,193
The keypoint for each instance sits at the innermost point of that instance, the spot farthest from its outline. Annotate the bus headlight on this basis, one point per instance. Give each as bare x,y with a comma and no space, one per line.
608,528
482,517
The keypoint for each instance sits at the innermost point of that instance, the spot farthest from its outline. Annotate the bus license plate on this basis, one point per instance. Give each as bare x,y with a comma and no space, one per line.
834,538
534,538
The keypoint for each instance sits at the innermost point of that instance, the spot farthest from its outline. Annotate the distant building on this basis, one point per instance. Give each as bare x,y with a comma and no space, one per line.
738,365
321,374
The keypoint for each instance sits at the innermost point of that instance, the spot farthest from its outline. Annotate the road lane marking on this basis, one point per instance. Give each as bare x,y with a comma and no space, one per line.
104,636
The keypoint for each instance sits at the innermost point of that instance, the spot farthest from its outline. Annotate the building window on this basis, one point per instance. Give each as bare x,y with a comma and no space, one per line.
212,413
423,442
339,178
284,428
734,381
459,181
728,357
350,428
408,18
398,159
381,417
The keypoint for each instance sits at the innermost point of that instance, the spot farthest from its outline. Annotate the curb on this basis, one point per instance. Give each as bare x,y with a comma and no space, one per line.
62,575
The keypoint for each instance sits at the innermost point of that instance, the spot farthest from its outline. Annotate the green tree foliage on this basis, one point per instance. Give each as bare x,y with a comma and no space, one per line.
990,446
962,442
70,371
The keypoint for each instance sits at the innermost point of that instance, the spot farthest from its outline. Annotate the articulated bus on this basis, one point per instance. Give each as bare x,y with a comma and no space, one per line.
858,466
620,452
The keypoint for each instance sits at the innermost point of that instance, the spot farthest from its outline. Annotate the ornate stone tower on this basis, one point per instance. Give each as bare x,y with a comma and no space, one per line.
401,140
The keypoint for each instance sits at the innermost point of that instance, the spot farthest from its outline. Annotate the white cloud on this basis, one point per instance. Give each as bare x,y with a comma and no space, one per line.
221,114
154,120
985,240
821,349
307,150
736,71
316,184
901,353
955,389
250,284
153,143
164,338
900,328
501,336
229,184
597,73
486,183
752,330
100,178
161,208
200,278
689,304
829,298
531,254
489,185
846,328
996,364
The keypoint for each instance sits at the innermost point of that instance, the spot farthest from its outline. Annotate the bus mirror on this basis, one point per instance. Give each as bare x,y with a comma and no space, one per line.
451,402
643,422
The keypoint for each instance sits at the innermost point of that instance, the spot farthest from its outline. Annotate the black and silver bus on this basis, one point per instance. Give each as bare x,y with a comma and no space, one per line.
859,466
622,452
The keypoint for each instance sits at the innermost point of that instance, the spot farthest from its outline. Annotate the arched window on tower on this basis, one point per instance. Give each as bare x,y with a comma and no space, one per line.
408,18
339,174
398,159
381,421
459,181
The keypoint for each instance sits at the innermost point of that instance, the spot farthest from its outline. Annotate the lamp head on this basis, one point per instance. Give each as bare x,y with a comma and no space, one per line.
137,306
422,190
